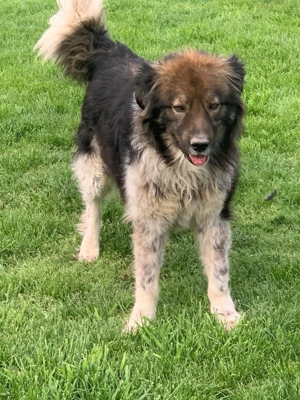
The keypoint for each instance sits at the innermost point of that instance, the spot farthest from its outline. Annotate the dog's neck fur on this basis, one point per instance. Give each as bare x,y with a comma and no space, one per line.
180,176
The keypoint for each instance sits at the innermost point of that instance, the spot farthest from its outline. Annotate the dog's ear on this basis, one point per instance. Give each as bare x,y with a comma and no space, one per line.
144,83
238,72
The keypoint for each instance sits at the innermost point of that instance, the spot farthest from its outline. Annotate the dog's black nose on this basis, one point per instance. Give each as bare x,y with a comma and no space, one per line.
199,147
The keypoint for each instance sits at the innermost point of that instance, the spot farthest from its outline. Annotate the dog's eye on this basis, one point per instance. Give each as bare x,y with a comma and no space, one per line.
214,105
179,109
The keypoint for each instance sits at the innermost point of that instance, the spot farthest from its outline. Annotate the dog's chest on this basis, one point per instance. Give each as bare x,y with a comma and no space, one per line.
170,201
198,210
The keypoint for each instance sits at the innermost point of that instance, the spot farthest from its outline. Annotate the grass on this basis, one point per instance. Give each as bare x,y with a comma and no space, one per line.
60,321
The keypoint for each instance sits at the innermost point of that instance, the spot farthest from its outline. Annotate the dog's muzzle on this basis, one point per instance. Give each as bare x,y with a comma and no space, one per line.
198,151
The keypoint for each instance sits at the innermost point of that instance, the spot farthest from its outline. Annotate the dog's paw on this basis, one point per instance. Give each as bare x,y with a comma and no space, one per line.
88,254
226,313
229,319
131,326
136,320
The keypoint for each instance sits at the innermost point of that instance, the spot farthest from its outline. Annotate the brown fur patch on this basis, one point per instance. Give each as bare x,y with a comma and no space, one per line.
191,74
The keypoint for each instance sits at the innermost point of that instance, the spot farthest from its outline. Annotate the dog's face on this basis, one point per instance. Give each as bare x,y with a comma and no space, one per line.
192,101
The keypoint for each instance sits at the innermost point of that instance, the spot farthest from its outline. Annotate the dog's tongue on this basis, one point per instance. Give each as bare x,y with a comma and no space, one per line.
198,160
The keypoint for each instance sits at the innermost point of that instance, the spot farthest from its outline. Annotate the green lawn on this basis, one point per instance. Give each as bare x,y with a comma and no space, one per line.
60,321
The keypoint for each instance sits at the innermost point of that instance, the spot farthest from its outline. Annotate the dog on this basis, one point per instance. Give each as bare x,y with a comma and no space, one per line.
166,134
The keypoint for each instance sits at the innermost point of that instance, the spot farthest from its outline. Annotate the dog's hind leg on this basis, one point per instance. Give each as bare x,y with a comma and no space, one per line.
214,245
148,255
88,169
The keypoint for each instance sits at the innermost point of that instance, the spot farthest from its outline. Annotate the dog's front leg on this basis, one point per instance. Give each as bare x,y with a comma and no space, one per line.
148,247
214,246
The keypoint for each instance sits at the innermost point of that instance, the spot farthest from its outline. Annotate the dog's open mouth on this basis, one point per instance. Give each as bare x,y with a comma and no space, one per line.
198,160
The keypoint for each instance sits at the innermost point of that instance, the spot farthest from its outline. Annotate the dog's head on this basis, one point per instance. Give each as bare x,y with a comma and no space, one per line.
191,102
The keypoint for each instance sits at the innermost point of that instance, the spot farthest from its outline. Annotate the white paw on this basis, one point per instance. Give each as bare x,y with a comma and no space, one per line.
132,326
88,254
229,319
137,319
224,309
89,248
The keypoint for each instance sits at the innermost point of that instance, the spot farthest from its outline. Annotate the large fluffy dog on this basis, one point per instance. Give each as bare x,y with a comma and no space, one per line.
166,134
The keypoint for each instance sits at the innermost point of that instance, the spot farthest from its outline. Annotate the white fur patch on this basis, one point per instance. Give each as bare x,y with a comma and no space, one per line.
181,195
70,15
94,184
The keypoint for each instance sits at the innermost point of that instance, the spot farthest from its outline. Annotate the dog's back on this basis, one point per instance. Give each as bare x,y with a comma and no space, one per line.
107,107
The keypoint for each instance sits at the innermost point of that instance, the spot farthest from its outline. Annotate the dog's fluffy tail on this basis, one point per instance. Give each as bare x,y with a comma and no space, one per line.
75,32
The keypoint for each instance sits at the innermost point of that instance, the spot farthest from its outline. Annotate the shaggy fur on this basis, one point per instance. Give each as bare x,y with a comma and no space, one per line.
166,134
